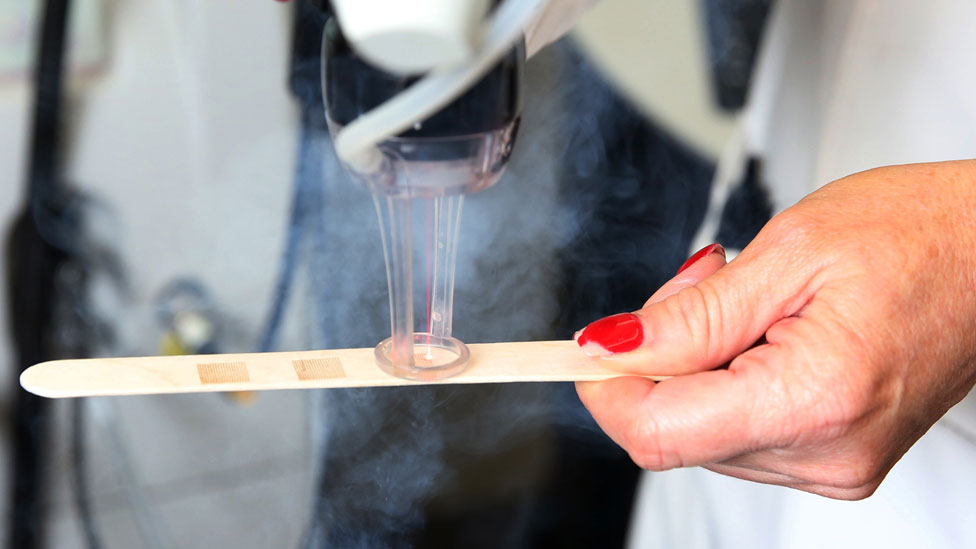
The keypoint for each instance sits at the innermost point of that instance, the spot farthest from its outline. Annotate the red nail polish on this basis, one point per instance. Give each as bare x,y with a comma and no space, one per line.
704,252
614,334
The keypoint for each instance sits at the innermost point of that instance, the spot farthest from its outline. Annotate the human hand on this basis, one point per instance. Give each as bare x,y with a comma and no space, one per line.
848,327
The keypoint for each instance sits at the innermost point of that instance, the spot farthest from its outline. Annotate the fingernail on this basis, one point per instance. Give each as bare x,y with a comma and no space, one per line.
704,252
611,335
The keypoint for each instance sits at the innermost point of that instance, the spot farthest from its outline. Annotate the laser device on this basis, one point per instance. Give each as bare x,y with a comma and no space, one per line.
422,98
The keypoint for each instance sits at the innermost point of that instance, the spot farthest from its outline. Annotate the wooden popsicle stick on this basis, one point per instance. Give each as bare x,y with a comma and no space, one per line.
489,363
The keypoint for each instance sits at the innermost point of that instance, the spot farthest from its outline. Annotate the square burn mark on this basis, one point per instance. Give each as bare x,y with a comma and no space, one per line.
222,372
318,368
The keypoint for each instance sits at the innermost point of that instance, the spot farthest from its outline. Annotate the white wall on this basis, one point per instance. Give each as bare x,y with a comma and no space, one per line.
187,132
655,52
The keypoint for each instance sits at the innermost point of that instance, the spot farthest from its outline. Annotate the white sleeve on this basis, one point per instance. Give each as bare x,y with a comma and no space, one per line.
556,19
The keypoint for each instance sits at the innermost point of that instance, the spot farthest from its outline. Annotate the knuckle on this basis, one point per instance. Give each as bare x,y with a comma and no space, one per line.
861,492
643,444
791,226
843,413
785,400
834,418
826,403
862,474
700,316
805,240
844,494
647,462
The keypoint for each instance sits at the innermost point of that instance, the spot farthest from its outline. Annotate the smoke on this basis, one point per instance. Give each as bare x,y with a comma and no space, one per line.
596,209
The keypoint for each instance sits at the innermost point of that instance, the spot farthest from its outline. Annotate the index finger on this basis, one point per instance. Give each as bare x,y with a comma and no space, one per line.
699,266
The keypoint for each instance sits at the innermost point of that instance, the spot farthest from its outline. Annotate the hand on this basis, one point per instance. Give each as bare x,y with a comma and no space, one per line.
848,327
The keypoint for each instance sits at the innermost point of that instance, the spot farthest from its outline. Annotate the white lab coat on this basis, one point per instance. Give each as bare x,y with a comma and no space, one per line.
842,86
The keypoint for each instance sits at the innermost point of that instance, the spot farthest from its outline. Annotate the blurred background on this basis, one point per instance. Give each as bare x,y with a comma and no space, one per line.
185,198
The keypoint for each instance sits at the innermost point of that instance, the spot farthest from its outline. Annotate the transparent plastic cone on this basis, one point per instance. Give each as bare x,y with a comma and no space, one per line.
419,194
430,352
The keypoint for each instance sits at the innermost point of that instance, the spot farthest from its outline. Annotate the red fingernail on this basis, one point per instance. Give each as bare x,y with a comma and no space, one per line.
704,252
613,334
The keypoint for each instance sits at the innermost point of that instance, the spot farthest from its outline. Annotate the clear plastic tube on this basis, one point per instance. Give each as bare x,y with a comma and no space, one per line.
447,220
419,197
418,177
395,215
429,353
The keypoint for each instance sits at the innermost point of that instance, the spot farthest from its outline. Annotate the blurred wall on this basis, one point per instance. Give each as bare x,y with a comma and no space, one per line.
186,132
180,124
654,51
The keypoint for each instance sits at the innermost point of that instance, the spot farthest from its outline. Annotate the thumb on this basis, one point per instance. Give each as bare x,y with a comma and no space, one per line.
706,324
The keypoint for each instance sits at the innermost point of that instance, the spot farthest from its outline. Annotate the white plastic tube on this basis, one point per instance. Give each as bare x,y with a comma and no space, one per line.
415,36
355,144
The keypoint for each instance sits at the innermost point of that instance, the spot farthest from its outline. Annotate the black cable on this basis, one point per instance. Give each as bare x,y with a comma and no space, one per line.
78,330
306,157
286,272
44,152
33,263
307,37
305,83
79,460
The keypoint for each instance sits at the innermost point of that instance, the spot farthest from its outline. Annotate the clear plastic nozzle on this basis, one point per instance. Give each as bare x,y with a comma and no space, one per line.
419,194
446,222
419,147
421,285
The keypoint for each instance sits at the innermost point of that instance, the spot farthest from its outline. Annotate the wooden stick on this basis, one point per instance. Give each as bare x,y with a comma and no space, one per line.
490,363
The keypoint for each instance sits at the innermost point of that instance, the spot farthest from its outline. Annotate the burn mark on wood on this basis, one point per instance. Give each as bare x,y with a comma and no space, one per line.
223,372
318,368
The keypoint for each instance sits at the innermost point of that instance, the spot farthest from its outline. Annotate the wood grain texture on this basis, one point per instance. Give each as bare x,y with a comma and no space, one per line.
490,363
